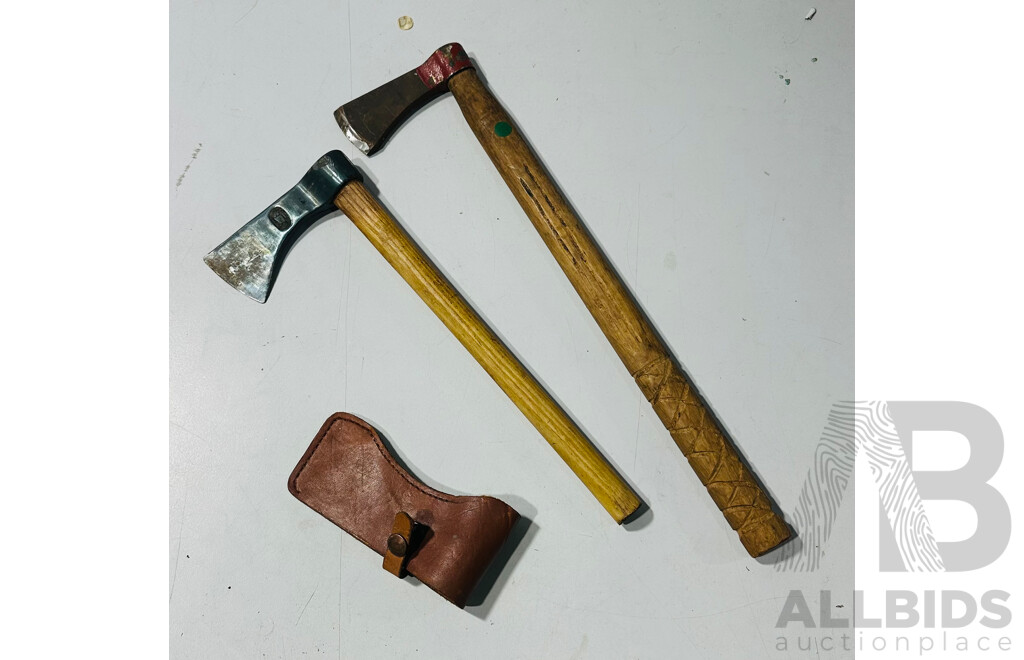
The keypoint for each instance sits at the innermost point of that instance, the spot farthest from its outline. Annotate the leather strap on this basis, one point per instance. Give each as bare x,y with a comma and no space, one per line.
448,541
399,545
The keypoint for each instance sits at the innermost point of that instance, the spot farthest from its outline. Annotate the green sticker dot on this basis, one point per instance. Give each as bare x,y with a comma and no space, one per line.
502,129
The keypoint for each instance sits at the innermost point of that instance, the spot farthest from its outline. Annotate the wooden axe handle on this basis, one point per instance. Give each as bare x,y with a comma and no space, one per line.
745,505
536,404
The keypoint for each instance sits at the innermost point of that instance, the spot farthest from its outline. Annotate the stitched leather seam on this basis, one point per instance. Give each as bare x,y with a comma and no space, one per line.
402,473
391,461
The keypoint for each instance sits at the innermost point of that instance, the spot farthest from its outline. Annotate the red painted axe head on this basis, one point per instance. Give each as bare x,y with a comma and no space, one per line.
369,120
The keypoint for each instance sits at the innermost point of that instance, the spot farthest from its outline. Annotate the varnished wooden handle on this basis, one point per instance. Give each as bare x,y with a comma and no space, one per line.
731,485
522,388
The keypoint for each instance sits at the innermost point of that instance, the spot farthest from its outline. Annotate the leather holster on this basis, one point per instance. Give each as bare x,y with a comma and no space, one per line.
348,476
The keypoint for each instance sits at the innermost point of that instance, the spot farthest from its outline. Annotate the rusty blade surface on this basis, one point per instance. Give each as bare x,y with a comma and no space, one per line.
250,258
371,119
246,260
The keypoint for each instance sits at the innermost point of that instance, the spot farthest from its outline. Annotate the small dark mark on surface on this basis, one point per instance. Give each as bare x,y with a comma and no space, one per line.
195,154
814,59
748,568
781,76
743,319
840,606
248,12
229,586
187,557
540,209
552,207
766,172
787,81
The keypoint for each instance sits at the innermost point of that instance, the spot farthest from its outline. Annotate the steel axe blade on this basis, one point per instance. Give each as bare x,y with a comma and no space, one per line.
250,258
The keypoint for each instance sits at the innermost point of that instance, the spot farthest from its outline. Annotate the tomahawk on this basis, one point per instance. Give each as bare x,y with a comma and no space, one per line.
250,258
369,120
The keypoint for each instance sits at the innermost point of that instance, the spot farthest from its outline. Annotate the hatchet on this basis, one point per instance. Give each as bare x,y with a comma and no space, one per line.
369,120
250,258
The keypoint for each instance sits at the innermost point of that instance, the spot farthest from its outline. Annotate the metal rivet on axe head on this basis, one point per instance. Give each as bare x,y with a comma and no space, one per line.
279,218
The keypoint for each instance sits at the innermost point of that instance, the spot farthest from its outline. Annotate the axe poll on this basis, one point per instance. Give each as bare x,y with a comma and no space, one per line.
250,258
369,120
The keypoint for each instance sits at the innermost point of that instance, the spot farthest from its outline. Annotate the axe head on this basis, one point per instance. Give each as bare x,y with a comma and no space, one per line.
250,258
370,120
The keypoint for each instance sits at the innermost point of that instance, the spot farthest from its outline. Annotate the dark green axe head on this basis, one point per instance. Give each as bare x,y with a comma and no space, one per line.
250,258
369,120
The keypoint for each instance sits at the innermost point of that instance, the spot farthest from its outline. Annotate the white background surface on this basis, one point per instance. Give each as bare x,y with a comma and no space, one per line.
939,267
85,332
722,194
